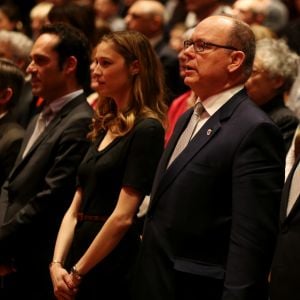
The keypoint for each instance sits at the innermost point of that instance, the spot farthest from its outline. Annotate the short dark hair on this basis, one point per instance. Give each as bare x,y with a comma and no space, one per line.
72,42
11,76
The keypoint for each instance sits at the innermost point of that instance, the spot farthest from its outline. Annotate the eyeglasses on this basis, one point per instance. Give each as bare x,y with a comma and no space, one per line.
200,46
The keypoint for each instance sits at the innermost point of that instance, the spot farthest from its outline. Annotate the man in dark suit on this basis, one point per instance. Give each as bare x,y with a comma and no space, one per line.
11,133
211,226
285,270
42,182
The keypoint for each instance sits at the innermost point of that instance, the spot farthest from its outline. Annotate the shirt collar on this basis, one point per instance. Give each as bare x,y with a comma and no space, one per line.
56,105
215,102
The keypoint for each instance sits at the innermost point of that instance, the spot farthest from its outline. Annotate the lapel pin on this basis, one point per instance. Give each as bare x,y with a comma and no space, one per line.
209,131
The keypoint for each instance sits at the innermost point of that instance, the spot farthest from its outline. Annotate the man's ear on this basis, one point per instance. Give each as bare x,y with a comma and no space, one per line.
70,64
5,95
237,58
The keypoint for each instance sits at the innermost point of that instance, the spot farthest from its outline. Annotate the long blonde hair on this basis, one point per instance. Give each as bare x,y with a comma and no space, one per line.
148,96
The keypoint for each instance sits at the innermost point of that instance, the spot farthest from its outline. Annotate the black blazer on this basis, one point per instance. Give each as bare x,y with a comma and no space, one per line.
40,188
212,221
285,269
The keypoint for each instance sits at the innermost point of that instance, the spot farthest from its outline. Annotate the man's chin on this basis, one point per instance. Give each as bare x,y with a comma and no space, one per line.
188,81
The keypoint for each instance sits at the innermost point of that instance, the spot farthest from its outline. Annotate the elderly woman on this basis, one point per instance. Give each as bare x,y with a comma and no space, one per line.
274,71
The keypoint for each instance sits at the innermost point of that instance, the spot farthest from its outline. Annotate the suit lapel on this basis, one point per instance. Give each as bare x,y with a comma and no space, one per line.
209,131
26,138
53,124
161,169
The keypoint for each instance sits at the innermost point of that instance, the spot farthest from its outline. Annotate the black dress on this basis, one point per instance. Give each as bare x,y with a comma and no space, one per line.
131,161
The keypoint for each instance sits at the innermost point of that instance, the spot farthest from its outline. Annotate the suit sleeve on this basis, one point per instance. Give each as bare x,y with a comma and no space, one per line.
59,180
258,176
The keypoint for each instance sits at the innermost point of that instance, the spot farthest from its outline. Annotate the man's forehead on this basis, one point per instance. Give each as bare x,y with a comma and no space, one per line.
46,40
50,37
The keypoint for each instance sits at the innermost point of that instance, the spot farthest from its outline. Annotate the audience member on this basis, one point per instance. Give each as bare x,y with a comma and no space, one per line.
40,187
285,267
147,17
175,12
16,46
81,17
11,133
211,227
274,71
291,31
276,15
107,12
176,36
198,10
270,13
98,235
39,17
249,11
10,17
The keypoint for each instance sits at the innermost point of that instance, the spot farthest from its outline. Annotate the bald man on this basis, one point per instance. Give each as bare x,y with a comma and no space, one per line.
211,226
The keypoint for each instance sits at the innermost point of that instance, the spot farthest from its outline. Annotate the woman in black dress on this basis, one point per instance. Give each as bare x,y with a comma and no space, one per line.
98,239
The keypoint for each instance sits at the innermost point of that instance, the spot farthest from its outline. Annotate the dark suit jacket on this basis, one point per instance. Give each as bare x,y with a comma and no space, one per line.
212,221
40,188
283,117
11,136
285,269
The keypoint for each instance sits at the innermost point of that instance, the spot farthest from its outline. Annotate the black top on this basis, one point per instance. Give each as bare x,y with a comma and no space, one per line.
130,160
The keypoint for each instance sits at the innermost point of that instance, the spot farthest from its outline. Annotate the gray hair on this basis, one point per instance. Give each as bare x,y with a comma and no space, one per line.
278,60
20,45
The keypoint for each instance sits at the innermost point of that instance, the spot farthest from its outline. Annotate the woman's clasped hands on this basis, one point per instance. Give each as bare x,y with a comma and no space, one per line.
65,284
